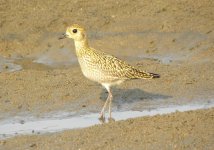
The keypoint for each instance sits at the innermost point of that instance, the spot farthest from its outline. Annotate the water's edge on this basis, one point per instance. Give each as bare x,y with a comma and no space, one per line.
47,124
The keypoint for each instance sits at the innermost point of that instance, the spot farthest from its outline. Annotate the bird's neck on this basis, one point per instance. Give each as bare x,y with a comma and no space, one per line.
81,45
82,48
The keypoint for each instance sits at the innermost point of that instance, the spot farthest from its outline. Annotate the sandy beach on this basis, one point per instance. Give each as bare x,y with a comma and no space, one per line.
40,74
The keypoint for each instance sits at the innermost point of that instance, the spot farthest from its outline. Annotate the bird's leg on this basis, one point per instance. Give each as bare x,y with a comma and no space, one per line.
110,100
102,113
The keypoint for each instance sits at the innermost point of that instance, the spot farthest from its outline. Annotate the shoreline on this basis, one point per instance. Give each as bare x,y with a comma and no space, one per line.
60,121
179,130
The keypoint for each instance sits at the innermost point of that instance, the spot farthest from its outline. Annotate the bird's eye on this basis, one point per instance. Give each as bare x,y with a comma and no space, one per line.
74,30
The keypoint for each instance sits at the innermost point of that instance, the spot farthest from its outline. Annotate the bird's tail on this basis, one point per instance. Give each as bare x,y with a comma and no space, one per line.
154,75
137,74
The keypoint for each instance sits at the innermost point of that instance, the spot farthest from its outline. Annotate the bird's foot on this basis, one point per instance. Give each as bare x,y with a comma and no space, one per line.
102,118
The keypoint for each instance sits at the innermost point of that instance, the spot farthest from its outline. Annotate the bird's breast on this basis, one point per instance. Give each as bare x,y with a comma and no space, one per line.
89,69
93,72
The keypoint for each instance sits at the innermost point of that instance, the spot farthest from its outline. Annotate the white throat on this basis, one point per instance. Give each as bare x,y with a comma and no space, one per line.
80,44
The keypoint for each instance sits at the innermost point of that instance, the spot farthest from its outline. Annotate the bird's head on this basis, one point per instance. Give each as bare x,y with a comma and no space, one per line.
75,32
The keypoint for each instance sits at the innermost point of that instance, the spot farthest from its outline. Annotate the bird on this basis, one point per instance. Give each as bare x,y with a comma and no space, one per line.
101,67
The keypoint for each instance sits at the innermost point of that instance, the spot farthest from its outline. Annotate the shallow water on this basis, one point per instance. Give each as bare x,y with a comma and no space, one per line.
56,58
55,122
8,65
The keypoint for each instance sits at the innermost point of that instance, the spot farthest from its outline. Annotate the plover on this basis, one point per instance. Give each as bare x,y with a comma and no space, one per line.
102,67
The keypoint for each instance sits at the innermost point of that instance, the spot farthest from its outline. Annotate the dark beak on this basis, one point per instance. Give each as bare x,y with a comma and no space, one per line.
63,36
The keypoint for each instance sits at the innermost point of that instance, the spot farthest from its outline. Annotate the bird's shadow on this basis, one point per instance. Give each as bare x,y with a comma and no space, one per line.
132,95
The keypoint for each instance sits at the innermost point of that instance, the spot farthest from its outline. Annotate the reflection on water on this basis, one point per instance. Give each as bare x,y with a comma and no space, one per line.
64,121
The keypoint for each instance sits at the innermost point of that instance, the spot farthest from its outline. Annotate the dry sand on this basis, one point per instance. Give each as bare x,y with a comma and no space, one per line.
173,38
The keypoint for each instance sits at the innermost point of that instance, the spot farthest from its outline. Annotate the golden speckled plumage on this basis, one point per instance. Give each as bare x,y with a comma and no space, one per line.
104,68
101,67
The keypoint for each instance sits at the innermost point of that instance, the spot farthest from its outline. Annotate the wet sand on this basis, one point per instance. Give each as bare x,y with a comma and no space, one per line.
188,130
40,74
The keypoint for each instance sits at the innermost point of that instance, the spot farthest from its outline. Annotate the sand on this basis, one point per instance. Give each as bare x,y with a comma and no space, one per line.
189,130
172,38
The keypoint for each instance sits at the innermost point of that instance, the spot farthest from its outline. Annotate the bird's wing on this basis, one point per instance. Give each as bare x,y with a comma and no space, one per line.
113,66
